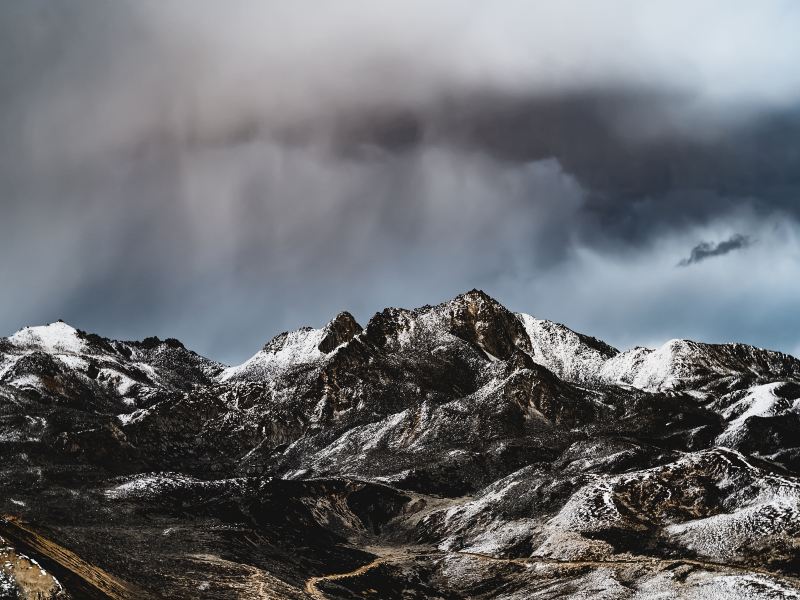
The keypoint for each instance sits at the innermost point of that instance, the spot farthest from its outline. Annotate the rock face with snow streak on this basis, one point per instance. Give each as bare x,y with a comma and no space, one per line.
570,355
459,440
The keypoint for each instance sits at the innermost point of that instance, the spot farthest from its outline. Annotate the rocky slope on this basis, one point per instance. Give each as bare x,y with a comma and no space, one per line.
449,451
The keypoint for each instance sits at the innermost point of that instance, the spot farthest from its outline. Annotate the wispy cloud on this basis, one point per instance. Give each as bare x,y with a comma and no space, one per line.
706,250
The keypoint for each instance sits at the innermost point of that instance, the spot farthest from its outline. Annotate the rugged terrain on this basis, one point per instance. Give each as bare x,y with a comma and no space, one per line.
450,451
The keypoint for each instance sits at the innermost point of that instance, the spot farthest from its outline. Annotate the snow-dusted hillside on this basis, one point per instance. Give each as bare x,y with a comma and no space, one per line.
60,361
676,365
479,451
570,355
687,365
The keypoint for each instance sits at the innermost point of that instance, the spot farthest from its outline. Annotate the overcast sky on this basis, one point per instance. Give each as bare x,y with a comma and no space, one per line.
223,171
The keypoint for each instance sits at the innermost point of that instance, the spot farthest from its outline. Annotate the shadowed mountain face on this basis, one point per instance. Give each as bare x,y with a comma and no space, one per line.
450,451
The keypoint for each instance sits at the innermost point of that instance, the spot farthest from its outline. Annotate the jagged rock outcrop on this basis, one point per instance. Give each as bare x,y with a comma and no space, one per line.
340,330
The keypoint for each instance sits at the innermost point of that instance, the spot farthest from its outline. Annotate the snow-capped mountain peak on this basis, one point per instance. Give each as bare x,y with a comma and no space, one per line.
294,349
55,338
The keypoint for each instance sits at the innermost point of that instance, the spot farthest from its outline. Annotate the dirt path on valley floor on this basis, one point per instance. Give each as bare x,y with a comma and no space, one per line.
312,584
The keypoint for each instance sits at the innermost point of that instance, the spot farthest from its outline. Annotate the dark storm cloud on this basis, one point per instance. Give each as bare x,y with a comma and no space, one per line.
220,172
638,182
705,250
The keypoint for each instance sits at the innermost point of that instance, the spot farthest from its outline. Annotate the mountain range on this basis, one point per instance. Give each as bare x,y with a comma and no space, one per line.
446,452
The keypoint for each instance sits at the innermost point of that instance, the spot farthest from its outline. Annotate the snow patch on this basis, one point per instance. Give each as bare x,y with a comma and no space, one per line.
297,348
562,350
54,338
760,401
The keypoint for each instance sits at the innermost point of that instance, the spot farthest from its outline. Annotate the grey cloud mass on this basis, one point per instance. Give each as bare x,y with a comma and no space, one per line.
705,250
219,172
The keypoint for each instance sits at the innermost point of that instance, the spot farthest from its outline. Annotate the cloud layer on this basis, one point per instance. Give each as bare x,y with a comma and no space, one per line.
222,172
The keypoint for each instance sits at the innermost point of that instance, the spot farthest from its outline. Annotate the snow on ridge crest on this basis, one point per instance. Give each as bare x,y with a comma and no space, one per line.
285,350
645,368
676,363
571,356
54,338
563,351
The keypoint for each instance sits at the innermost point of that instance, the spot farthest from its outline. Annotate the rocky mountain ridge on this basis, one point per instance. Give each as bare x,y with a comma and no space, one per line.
427,437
